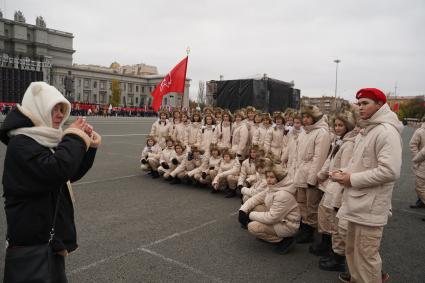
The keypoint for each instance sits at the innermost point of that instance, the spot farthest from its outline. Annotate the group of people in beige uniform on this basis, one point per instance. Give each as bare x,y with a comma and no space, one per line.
298,173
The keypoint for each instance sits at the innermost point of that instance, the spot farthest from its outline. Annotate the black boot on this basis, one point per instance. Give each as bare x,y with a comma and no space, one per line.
322,248
175,181
418,204
305,235
337,263
230,194
155,174
214,191
285,245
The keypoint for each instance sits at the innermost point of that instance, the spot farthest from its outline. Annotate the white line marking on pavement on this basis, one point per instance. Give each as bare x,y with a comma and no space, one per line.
105,180
179,234
114,257
181,264
125,135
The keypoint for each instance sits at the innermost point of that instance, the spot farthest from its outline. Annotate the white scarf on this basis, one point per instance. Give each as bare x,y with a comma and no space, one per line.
46,136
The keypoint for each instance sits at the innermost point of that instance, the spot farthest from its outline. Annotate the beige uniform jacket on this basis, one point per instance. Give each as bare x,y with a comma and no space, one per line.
227,168
417,148
151,151
332,197
179,132
282,209
160,130
289,156
223,135
205,137
259,186
276,141
374,168
259,135
240,138
313,148
188,166
192,133
248,172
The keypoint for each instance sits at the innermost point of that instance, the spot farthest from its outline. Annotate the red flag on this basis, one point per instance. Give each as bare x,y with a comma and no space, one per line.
396,106
174,81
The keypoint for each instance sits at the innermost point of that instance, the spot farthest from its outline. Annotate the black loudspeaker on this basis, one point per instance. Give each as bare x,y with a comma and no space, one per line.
14,82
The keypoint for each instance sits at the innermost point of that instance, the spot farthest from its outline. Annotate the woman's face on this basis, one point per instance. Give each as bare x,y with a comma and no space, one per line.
251,115
196,118
261,170
214,153
178,149
339,128
226,118
258,119
253,154
307,120
266,122
226,157
209,120
238,118
176,115
271,179
297,124
151,142
170,143
58,113
163,117
279,121
184,118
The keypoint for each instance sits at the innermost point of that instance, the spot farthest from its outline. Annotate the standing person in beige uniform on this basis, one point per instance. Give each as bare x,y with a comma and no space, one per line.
368,184
313,148
417,145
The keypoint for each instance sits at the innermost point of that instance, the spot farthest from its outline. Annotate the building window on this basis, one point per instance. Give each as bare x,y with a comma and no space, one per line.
86,83
150,89
102,97
110,85
86,96
102,85
94,84
94,98
165,101
79,82
137,88
130,100
142,100
137,101
143,89
130,88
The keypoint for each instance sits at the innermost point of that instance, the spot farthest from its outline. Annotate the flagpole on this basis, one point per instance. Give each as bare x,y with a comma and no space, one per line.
185,72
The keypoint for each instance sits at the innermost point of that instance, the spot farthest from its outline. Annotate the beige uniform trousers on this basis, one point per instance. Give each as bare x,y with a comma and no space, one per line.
420,188
263,231
208,180
326,218
338,239
308,200
362,253
232,181
153,163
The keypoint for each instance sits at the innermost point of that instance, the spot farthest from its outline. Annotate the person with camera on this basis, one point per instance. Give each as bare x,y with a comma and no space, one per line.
41,162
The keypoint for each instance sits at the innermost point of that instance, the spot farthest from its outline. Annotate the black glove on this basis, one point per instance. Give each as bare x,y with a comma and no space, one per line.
175,161
239,187
244,219
165,165
190,156
212,168
144,161
204,175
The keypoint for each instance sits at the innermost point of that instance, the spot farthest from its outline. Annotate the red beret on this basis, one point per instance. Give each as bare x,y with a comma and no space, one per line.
371,93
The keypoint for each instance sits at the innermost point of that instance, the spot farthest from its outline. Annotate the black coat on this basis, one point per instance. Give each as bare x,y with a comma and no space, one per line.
33,178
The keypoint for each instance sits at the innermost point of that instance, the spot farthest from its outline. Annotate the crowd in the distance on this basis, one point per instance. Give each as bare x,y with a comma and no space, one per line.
296,172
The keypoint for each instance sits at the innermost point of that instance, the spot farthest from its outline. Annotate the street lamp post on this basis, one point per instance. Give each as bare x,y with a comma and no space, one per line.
337,61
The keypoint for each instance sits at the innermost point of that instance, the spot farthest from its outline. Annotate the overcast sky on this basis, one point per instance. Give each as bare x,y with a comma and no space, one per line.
380,43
